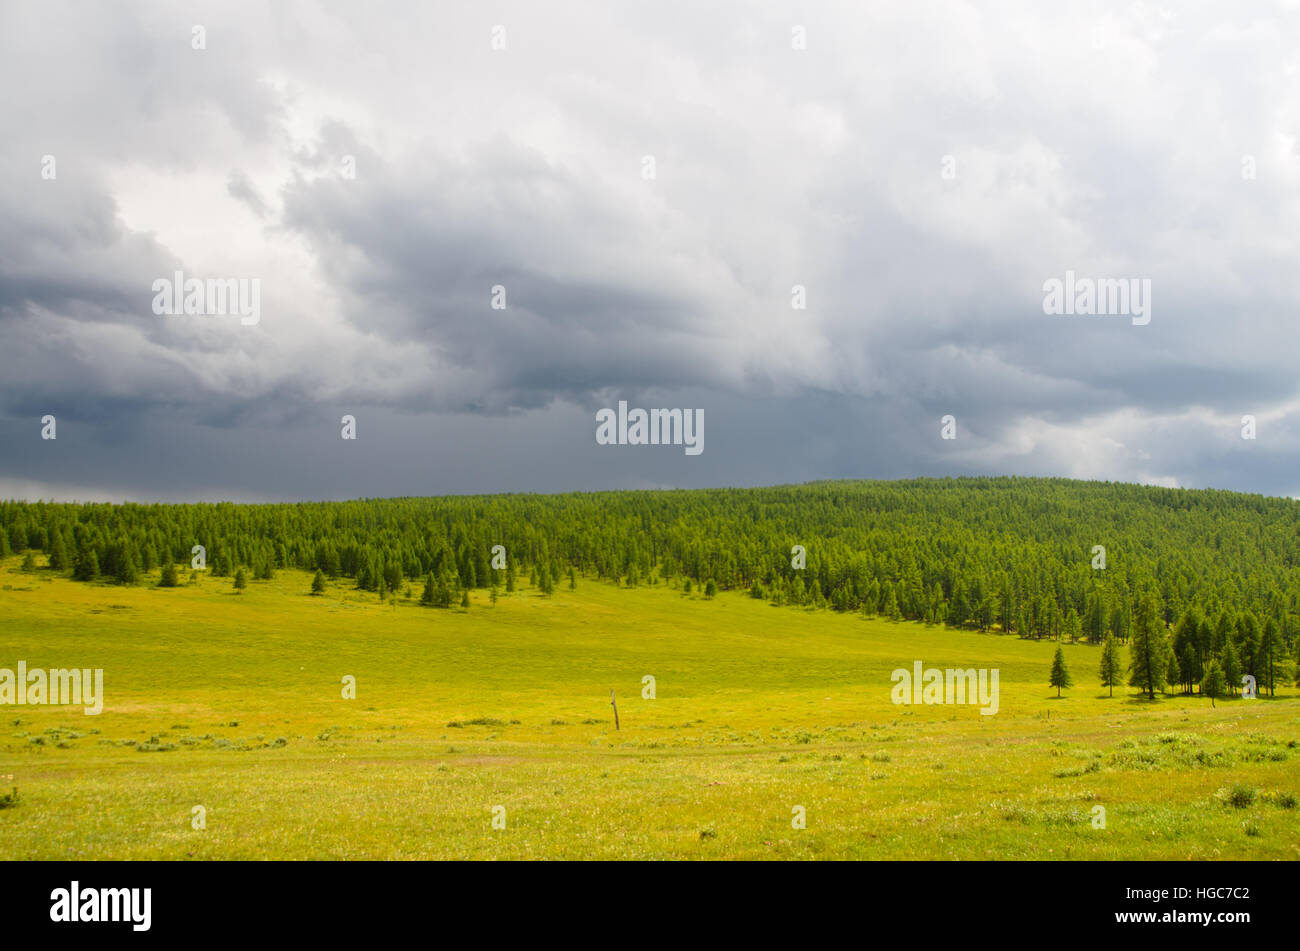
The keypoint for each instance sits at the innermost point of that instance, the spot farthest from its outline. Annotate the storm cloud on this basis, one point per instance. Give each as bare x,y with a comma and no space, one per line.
648,190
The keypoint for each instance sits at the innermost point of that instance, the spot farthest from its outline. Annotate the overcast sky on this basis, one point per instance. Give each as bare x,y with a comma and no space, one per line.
919,169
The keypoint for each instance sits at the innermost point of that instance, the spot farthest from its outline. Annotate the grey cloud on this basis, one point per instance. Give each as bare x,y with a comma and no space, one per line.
1120,159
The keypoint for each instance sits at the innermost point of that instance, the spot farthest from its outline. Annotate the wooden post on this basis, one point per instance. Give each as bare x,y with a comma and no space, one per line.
615,706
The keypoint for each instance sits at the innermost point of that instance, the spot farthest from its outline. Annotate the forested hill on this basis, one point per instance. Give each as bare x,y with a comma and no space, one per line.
1010,553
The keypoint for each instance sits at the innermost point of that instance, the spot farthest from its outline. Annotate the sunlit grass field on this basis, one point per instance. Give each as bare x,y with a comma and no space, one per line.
233,702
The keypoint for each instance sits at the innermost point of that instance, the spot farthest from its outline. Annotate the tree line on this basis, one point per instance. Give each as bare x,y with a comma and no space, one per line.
1012,554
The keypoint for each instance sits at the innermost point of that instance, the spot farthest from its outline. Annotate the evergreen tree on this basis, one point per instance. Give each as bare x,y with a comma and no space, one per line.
1249,636
1073,625
168,578
1119,623
85,566
241,580
58,552
464,599
1112,669
318,582
1213,684
892,611
1148,655
710,588
1231,666
125,571
429,596
1271,652
1187,668
1060,676
1172,671
1094,619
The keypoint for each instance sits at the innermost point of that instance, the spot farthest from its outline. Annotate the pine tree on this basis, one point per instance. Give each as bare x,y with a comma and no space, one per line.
168,578
464,599
1187,667
58,552
1073,625
241,580
430,591
1060,676
1022,623
1094,619
1231,666
1112,668
1148,654
892,610
1213,684
710,588
318,582
85,567
1271,651
126,571
1172,671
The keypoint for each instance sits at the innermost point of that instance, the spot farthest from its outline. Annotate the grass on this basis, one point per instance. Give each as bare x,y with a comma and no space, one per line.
235,702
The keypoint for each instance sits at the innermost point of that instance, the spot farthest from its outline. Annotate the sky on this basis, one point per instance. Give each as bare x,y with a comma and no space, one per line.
473,226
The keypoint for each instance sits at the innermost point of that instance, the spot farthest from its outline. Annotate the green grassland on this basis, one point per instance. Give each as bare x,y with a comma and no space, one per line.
233,701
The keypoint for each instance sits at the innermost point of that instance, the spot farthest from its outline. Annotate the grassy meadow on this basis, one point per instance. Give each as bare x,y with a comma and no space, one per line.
233,702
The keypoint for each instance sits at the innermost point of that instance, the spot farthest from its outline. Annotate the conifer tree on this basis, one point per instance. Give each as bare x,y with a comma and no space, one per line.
1112,668
126,571
1060,675
58,552
1231,666
168,578
1271,652
1213,684
1148,654
85,567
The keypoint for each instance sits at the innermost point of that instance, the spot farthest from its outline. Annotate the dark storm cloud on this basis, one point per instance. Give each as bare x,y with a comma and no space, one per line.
380,171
